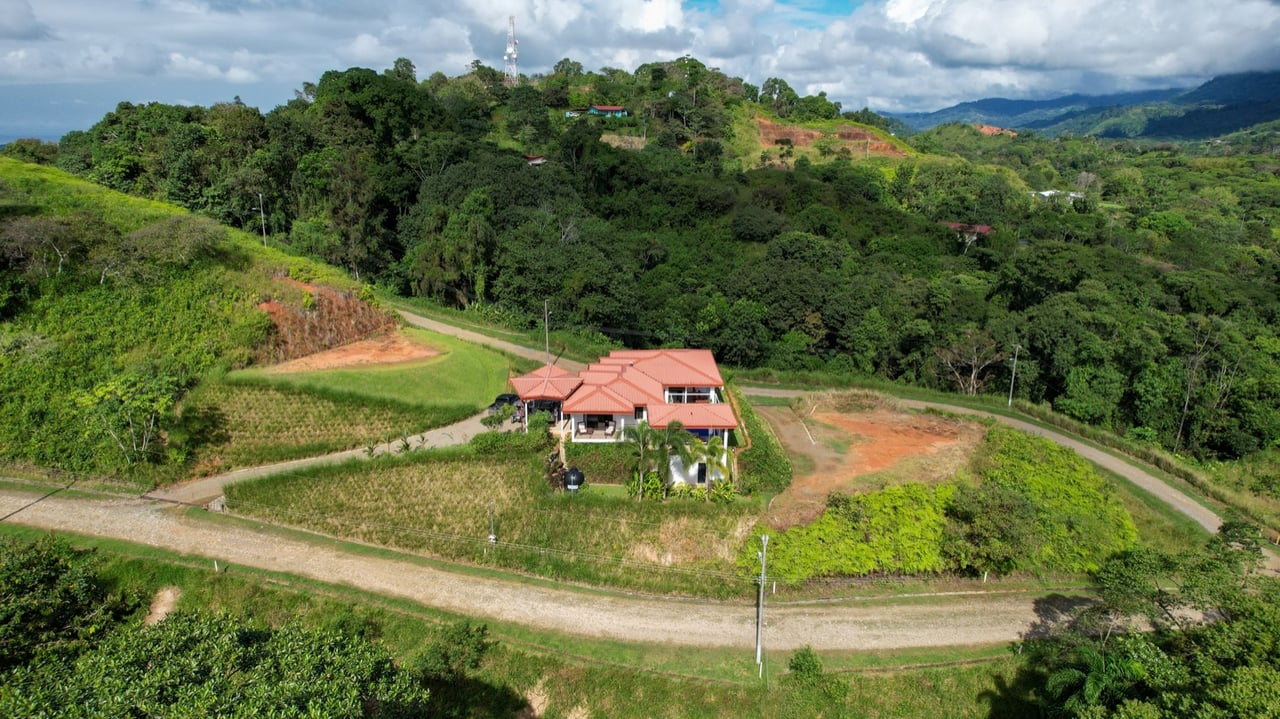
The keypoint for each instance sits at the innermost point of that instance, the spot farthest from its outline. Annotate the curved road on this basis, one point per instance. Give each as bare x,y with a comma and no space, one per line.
900,623
978,618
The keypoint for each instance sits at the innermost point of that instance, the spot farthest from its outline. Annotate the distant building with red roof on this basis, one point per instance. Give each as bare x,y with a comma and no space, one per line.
968,233
628,387
607,110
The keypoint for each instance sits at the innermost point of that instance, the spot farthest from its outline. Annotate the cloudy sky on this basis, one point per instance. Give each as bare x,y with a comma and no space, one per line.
64,63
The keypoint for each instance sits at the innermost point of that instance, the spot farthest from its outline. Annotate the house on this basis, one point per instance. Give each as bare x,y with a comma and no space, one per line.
627,387
1047,195
535,160
967,233
607,110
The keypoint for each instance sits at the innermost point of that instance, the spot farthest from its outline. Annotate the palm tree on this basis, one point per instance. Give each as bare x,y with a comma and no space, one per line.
714,454
1096,678
644,450
674,441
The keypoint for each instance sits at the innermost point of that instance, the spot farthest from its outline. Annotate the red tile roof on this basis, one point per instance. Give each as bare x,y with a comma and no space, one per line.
546,382
965,227
627,379
699,416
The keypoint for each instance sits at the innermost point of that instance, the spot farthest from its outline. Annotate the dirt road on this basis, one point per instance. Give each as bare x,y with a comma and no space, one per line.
903,623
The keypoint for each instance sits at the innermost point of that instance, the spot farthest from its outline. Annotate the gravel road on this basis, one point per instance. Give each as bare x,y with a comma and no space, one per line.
963,619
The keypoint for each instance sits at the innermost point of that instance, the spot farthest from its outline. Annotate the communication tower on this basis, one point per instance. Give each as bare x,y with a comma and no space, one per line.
513,72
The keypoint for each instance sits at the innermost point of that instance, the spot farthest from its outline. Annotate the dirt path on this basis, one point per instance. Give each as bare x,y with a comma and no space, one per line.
477,338
208,489
903,623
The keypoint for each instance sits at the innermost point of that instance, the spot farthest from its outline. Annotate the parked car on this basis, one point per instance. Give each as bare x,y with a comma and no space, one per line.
503,400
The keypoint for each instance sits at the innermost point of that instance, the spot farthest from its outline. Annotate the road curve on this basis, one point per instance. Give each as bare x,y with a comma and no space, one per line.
954,620
967,619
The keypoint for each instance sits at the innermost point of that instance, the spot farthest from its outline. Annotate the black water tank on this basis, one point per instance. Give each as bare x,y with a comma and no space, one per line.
573,479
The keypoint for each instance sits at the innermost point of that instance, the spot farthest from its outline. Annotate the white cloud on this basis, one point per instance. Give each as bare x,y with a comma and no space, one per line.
889,54
18,22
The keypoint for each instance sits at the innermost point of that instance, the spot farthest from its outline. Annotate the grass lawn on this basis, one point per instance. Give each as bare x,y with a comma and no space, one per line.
462,374
263,416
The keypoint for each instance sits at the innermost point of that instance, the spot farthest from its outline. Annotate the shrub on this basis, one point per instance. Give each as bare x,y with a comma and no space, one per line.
1080,520
763,467
652,486
897,529
603,463
805,664
510,443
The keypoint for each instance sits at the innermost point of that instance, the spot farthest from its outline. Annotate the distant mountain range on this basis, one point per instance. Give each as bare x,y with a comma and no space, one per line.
1222,105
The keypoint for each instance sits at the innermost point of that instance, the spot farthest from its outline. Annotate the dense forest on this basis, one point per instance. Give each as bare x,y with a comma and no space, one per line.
1141,297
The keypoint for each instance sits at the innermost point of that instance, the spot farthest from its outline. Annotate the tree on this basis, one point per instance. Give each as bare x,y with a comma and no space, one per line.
990,528
715,456
527,117
673,441
969,358
643,450
51,601
128,408
1094,678
198,664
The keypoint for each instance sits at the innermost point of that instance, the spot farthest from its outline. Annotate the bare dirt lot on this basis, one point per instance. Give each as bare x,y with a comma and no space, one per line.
862,448
389,348
853,137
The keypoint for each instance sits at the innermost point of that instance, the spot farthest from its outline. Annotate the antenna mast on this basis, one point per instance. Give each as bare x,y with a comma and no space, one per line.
513,72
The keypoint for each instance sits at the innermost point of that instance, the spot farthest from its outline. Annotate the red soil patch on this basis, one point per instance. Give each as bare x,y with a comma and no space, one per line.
857,139
846,448
387,349
990,130
328,319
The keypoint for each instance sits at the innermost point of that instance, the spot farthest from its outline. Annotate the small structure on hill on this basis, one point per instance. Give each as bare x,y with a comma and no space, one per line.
607,110
968,233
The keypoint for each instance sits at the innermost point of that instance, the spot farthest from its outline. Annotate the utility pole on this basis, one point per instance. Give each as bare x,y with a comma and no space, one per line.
546,328
1013,376
262,217
764,547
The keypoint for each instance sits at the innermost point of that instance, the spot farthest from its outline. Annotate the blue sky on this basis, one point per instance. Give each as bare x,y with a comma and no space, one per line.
64,63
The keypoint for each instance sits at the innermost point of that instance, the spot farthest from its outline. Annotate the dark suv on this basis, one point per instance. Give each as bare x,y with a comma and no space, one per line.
501,401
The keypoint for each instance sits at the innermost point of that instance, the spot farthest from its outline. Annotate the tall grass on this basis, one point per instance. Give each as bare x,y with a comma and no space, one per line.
439,502
248,425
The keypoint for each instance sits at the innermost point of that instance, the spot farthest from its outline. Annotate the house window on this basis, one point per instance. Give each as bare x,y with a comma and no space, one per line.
639,413
702,472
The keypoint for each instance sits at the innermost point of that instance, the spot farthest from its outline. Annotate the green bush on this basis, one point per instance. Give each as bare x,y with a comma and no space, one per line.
898,529
601,463
764,467
1080,520
510,443
652,486
805,664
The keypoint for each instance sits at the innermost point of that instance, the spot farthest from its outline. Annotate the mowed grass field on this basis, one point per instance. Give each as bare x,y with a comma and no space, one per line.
259,416
461,375
439,501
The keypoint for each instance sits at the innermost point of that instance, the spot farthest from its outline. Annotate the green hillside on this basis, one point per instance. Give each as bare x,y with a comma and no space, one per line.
1223,105
112,308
